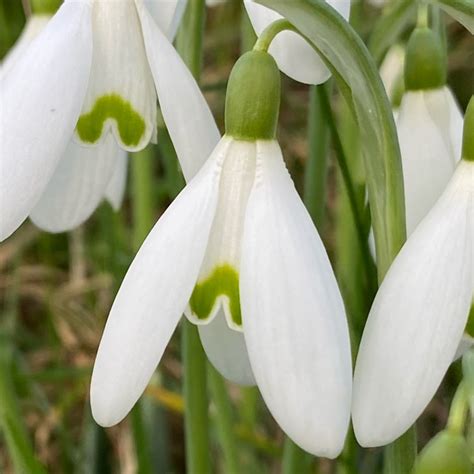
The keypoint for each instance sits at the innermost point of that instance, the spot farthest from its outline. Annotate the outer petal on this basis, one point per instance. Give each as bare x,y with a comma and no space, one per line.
153,296
293,314
39,110
116,187
34,26
295,57
77,186
417,319
167,14
226,350
189,120
428,157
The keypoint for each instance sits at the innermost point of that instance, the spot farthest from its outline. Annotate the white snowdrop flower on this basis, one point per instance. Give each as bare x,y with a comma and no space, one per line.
98,68
293,54
237,252
420,312
429,126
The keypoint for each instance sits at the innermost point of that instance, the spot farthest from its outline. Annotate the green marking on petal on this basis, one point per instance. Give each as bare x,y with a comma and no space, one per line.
131,125
224,281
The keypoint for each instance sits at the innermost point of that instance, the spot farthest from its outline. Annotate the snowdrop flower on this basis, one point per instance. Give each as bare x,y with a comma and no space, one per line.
429,126
238,249
98,67
293,54
420,312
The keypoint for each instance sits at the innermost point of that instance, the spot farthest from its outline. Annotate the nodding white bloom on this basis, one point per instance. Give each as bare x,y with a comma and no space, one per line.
420,312
98,68
293,54
429,127
238,253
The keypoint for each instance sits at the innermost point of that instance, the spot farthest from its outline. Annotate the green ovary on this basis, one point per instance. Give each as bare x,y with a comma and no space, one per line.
131,125
223,281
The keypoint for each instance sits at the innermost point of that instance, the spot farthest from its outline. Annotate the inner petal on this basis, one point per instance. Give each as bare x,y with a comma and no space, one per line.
218,282
121,97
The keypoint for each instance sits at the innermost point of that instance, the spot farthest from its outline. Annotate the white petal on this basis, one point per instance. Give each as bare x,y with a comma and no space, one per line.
116,187
293,315
35,24
226,350
428,157
77,186
121,96
187,116
295,57
417,319
222,259
167,14
153,296
391,69
41,98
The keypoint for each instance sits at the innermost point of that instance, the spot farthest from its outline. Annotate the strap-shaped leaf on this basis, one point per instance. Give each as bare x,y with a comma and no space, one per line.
357,77
388,28
460,10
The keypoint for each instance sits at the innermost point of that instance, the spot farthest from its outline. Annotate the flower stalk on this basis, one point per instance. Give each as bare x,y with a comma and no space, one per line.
189,44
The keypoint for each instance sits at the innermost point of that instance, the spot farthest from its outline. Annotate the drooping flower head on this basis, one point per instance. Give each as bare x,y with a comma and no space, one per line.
237,252
98,68
420,312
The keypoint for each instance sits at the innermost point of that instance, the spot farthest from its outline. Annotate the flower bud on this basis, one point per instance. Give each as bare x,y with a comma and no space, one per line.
446,453
425,62
253,97
48,7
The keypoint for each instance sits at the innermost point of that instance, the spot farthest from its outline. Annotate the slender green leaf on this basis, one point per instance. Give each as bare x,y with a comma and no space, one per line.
460,10
389,27
357,77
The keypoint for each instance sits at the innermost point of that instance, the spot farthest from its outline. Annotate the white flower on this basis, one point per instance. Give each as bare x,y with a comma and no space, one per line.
94,72
293,54
418,317
429,127
237,249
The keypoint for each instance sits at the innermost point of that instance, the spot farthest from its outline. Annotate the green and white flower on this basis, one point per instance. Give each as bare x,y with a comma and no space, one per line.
98,68
420,312
429,126
238,253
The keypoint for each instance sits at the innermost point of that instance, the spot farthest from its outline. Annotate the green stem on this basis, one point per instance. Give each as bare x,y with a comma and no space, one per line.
269,33
422,19
224,421
316,167
401,454
196,419
142,195
189,44
360,222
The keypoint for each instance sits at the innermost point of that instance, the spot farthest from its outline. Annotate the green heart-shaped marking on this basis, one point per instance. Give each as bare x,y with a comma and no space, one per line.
131,125
224,280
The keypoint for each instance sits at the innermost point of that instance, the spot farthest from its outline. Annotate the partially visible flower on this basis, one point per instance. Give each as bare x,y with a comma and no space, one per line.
391,72
238,251
420,312
293,54
98,68
429,126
